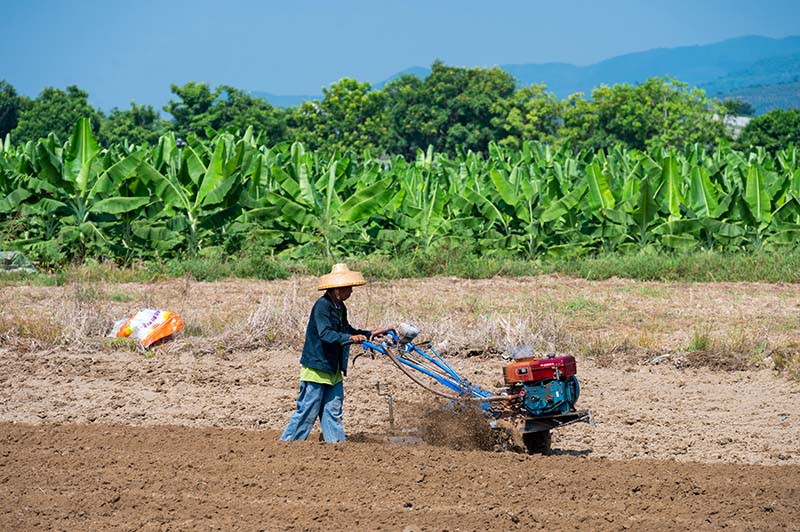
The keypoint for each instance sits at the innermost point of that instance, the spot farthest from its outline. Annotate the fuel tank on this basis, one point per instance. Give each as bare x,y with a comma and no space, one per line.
539,369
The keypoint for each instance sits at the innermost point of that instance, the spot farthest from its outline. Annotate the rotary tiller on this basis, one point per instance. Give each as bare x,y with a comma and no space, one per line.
539,396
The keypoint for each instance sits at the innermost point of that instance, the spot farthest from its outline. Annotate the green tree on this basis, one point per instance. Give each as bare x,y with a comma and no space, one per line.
531,113
734,107
582,127
411,123
199,108
11,105
138,125
453,107
55,111
350,116
659,112
191,112
234,109
775,130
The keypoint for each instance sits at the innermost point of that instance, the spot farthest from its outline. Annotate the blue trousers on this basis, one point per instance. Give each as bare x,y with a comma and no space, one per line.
321,401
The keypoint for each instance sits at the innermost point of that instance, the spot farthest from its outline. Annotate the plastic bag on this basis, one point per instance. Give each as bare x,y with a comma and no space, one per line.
148,326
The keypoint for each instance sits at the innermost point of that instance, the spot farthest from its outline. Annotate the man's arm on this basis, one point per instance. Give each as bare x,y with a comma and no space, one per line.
368,334
325,330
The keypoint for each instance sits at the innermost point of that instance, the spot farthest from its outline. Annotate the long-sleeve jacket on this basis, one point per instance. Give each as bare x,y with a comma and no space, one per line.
327,330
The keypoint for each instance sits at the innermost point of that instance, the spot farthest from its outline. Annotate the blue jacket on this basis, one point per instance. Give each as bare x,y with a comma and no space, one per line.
327,330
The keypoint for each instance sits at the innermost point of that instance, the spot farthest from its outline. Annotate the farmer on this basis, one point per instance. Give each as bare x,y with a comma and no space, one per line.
324,359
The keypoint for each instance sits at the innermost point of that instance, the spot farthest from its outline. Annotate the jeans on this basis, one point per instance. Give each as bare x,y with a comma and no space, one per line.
321,401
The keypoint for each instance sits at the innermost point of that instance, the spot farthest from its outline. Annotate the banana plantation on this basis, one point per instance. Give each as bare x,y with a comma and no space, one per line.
69,202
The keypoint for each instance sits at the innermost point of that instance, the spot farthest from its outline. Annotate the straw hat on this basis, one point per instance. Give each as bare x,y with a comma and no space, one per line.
339,277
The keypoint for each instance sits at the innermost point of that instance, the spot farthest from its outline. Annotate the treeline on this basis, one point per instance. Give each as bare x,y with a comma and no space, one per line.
452,110
233,196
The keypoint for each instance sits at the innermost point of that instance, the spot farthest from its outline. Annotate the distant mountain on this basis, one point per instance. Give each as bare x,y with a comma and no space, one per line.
769,71
694,65
420,72
772,83
278,100
290,100
765,98
719,68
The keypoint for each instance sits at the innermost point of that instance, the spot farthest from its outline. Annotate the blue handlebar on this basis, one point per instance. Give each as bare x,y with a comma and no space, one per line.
451,380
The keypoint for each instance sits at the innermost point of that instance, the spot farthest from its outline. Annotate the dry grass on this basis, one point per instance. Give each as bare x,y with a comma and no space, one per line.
86,314
277,320
610,351
737,350
786,359
28,332
722,326
78,319
498,332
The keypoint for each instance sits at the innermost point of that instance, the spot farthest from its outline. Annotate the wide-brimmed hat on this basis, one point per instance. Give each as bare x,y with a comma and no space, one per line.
339,277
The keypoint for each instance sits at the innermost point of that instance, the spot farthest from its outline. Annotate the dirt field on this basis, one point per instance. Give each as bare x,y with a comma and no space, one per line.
696,414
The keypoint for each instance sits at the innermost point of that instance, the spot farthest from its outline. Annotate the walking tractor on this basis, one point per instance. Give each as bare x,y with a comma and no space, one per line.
539,396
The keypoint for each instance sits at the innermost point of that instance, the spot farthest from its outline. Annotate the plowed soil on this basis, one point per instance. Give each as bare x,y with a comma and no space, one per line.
694,431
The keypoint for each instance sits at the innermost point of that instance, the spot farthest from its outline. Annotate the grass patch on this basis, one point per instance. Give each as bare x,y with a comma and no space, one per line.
700,340
193,329
38,329
650,291
786,360
584,306
607,352
34,279
738,350
112,345
444,261
706,266
85,294
790,324
120,297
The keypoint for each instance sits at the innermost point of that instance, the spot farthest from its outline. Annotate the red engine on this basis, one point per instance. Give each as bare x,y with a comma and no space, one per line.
539,369
548,386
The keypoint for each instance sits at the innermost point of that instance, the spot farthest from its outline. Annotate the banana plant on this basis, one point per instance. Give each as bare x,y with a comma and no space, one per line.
12,193
75,200
197,199
639,200
519,189
77,193
323,206
421,215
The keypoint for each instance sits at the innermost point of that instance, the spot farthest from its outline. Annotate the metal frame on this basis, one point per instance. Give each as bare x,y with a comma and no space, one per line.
539,424
449,378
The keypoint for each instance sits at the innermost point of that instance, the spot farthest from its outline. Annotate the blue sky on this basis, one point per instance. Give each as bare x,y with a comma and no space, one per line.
121,51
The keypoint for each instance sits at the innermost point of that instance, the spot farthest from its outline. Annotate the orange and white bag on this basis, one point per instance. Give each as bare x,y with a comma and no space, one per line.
148,326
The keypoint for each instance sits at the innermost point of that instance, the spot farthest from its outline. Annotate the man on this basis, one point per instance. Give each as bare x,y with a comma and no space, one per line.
324,359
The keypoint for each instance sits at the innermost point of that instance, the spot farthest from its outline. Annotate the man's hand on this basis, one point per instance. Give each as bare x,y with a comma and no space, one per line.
377,332
358,338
